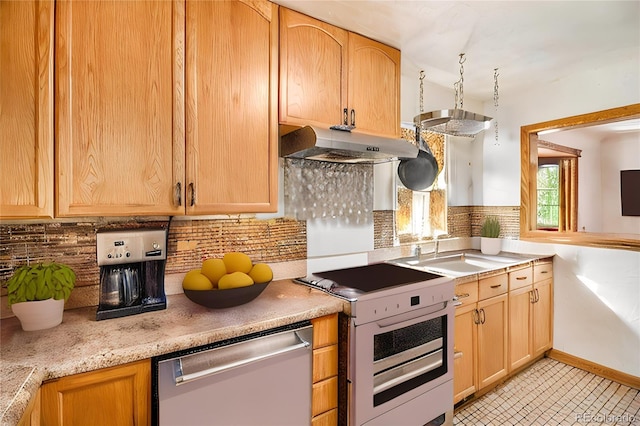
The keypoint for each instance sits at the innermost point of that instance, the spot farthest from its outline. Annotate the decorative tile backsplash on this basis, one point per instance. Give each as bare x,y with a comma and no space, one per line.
191,241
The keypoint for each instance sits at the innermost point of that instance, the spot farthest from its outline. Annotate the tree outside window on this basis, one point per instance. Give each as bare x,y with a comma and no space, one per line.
548,217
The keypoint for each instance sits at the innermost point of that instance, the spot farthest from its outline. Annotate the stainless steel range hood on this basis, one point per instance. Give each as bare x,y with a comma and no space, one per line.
339,146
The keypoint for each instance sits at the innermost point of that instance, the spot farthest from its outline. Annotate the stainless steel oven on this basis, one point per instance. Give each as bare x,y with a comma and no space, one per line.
400,343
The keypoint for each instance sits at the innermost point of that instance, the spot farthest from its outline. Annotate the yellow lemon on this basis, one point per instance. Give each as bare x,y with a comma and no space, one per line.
234,280
195,280
261,273
237,262
214,269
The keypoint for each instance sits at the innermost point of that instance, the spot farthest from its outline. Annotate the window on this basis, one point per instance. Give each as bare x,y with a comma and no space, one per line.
548,197
556,194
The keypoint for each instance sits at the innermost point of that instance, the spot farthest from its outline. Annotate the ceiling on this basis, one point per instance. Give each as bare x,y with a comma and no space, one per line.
530,42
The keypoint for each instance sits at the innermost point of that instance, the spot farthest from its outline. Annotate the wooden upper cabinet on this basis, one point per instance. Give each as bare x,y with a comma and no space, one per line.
374,86
231,95
119,107
26,106
325,70
313,70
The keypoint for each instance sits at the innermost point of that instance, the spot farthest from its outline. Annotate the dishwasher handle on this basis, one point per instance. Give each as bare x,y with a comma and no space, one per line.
205,364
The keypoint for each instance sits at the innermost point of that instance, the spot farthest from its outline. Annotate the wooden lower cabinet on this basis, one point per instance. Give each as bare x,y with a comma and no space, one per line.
31,416
492,340
111,396
520,321
324,404
464,362
530,314
542,328
480,335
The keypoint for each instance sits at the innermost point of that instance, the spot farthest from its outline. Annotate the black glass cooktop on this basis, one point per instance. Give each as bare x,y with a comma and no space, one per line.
368,278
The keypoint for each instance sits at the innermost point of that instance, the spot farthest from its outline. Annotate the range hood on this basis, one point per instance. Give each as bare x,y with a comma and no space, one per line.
338,146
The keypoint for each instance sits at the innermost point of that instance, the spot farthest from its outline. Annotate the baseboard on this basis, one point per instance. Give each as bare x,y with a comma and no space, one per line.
592,367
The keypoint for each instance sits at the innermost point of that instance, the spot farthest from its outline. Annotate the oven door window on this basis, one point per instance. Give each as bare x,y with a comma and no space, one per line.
408,357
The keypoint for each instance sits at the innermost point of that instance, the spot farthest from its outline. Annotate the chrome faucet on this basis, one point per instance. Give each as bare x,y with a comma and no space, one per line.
417,251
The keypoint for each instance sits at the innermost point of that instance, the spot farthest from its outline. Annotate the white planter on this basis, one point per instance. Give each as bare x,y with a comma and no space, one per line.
39,314
490,245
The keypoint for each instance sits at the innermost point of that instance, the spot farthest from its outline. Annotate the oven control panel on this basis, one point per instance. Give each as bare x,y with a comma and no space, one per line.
130,246
435,294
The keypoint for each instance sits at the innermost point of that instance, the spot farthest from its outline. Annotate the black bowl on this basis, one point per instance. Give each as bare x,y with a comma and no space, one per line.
227,298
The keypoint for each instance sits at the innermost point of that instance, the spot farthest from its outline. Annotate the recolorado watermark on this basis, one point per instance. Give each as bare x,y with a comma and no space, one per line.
604,418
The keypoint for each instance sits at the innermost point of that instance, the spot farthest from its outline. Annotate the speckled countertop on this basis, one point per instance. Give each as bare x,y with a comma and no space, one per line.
83,344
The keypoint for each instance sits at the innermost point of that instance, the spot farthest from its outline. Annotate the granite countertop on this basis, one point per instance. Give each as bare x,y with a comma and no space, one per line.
83,344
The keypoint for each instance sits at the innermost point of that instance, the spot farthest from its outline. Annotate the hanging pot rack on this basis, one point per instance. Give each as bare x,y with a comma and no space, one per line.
454,122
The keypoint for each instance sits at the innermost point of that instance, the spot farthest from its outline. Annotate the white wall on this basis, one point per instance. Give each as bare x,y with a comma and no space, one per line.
596,303
597,291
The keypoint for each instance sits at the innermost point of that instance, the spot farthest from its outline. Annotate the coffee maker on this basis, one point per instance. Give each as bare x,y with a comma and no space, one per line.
132,264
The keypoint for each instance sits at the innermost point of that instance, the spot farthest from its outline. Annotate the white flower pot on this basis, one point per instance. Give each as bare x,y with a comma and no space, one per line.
39,314
490,245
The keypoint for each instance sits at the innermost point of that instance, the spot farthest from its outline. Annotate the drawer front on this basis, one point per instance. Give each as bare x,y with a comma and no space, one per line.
520,278
325,331
467,293
325,363
492,286
325,396
542,271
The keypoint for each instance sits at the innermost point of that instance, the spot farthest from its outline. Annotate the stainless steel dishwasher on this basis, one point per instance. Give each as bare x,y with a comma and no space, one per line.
260,380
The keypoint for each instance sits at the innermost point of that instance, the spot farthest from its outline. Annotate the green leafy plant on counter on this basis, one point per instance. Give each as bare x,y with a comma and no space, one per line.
41,281
490,227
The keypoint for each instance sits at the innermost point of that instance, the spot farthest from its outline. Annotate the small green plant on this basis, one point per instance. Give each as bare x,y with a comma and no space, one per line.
490,227
41,281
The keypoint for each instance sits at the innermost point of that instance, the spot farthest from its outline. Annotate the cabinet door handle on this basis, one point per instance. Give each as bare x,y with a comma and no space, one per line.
537,296
462,295
178,193
192,190
483,317
532,298
457,354
544,272
353,117
496,286
521,278
476,316
345,116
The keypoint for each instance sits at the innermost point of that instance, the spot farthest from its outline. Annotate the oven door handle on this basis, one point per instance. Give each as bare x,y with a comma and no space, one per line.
402,318
402,373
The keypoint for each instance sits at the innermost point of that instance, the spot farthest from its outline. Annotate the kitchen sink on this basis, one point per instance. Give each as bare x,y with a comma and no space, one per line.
459,264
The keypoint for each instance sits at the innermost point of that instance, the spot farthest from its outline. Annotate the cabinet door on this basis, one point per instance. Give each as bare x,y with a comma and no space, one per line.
119,131
26,103
112,396
543,316
231,84
492,340
313,70
464,353
374,86
520,323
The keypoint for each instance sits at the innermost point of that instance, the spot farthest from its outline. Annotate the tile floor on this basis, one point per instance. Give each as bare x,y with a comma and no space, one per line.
552,393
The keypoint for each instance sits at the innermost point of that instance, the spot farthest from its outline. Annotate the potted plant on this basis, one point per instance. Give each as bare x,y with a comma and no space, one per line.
489,241
36,294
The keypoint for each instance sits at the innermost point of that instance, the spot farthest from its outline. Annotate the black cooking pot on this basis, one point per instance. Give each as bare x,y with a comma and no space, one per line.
419,173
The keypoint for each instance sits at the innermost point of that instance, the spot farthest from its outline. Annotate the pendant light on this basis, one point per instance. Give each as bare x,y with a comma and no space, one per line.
454,122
